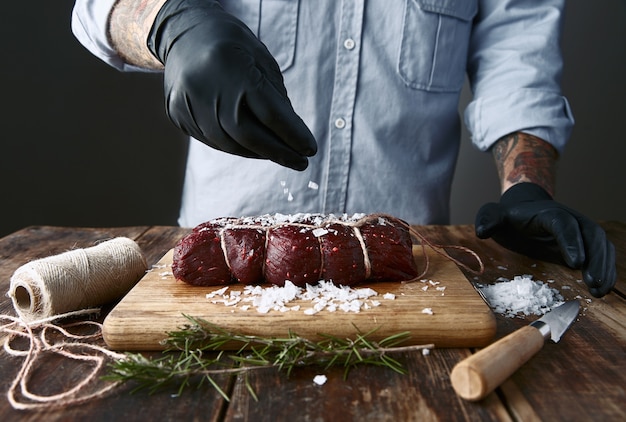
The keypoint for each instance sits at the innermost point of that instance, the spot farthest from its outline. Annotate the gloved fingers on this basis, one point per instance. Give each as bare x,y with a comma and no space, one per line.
564,227
599,272
254,136
488,220
600,275
274,110
270,69
202,124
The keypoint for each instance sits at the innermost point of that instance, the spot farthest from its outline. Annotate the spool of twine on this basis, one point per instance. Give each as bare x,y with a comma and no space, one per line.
76,279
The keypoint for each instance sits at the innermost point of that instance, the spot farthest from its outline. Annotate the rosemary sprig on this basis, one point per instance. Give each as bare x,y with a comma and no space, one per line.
190,353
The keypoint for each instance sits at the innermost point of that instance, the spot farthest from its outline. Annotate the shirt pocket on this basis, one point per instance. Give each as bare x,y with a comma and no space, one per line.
434,44
274,22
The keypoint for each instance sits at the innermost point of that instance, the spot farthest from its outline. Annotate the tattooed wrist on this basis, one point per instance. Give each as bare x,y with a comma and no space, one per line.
128,28
521,157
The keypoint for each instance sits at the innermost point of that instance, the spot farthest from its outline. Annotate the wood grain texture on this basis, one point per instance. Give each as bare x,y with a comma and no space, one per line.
53,375
580,378
157,303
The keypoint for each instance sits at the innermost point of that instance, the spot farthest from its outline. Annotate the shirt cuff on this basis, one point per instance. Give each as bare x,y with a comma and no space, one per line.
546,115
89,26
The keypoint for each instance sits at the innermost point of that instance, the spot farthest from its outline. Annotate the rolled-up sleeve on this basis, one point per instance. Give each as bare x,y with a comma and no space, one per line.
89,26
514,67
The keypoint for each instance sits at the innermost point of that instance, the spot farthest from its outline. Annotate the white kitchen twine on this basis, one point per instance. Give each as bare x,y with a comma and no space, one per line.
77,279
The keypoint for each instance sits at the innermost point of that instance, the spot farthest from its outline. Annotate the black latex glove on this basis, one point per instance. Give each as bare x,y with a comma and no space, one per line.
223,87
529,221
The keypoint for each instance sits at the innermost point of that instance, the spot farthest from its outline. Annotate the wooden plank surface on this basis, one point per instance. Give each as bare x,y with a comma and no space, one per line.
580,378
460,318
52,375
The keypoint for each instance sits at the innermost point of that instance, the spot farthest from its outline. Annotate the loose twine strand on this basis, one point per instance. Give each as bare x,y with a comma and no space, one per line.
70,284
71,346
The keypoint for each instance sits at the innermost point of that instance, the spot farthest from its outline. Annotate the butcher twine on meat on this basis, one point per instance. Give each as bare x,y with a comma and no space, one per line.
301,248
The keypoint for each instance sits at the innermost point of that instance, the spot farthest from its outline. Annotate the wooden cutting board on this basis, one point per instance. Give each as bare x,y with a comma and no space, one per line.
460,317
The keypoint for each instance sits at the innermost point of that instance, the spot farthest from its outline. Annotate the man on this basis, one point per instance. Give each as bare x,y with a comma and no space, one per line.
370,123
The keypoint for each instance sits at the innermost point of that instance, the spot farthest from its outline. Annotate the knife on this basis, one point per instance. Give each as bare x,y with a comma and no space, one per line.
478,375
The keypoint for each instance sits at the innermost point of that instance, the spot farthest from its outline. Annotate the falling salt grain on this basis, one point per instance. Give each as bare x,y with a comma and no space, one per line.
425,352
320,379
428,311
313,185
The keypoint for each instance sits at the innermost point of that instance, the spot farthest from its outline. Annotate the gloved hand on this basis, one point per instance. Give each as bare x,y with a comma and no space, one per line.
223,87
529,221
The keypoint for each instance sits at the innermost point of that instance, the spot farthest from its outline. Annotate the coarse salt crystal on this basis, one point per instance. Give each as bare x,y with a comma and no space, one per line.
319,232
313,185
428,311
320,379
219,292
389,296
425,352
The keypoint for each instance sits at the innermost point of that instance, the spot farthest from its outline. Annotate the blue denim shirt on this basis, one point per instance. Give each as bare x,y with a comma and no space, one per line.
378,83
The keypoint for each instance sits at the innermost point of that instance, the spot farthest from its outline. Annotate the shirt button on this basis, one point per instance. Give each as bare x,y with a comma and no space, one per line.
349,43
340,123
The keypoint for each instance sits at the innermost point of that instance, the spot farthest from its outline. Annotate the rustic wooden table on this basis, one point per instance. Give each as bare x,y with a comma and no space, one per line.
581,378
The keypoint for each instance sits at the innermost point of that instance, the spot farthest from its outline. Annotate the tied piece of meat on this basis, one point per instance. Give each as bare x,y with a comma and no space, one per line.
301,248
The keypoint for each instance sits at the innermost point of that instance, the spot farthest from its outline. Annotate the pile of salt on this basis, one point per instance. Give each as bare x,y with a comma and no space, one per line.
522,295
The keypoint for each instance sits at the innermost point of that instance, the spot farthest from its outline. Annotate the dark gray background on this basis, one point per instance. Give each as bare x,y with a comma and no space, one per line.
85,145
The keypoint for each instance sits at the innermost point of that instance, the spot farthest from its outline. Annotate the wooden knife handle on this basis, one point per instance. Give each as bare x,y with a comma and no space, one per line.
478,375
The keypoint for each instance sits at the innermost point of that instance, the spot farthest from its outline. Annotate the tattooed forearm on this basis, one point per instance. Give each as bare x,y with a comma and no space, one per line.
521,157
129,25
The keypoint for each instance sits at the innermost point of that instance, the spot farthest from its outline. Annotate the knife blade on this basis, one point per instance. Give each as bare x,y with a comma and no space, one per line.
478,375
